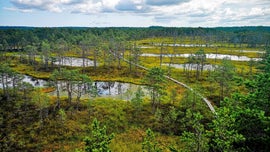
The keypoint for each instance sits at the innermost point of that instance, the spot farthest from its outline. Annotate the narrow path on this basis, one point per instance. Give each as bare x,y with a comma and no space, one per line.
197,93
173,80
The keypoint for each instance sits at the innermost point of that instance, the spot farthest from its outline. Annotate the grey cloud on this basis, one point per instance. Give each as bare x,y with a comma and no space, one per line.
160,11
126,5
165,2
49,5
252,20
74,2
134,7
107,10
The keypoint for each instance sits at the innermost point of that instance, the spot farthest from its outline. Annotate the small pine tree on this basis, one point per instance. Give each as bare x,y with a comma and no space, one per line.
195,140
62,115
138,99
99,140
156,84
149,142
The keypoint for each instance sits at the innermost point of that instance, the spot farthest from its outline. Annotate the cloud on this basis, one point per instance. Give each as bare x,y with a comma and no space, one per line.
249,13
73,6
129,5
164,2
48,5
87,7
165,12
16,9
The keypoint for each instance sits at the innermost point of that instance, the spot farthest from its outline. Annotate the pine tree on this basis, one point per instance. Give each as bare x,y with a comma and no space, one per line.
149,142
99,140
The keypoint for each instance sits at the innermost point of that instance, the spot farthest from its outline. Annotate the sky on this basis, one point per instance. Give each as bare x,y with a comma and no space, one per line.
134,13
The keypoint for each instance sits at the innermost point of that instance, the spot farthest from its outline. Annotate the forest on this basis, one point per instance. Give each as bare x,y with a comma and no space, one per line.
153,89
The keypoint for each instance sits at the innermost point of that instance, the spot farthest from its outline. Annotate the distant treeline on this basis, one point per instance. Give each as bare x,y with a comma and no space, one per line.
18,37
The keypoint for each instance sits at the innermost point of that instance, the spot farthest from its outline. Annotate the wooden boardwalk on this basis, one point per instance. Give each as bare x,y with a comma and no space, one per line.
210,106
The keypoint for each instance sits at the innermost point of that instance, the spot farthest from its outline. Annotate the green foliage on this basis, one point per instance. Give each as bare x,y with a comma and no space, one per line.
196,139
254,126
224,75
31,52
173,95
138,99
193,102
25,88
198,59
169,120
224,133
249,113
171,117
149,142
99,140
134,57
259,98
252,114
265,63
41,100
5,74
46,48
75,83
261,87
155,81
244,116
62,115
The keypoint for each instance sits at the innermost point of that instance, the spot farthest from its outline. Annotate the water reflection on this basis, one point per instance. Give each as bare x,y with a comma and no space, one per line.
191,66
111,89
24,78
184,45
103,89
34,81
115,89
76,62
209,56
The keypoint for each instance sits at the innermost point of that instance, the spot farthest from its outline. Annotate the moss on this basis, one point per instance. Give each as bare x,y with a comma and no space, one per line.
119,116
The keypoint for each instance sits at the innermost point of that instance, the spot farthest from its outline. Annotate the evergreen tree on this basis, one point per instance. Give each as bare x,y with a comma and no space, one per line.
149,142
155,81
41,100
196,139
224,132
138,99
224,75
99,140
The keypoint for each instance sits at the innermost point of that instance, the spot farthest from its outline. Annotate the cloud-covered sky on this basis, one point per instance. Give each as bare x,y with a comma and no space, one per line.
135,13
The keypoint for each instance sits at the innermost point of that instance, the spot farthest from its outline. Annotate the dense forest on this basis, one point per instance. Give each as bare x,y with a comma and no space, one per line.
135,89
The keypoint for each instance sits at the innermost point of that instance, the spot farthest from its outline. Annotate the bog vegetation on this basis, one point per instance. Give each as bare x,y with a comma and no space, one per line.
64,108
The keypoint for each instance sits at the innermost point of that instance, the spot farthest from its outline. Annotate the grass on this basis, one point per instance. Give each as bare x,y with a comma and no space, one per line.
56,134
124,75
221,49
119,116
112,73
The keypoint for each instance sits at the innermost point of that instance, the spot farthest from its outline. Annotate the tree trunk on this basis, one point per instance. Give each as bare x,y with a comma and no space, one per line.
161,53
58,95
95,60
197,71
3,83
69,89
